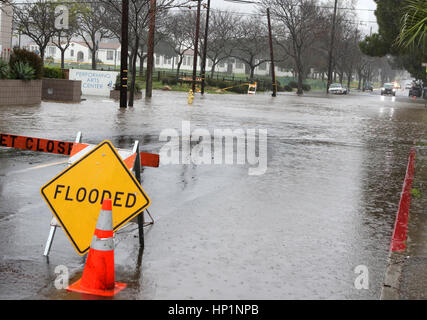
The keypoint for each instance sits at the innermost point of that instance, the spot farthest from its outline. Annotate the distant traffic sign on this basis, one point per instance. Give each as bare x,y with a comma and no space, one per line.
76,194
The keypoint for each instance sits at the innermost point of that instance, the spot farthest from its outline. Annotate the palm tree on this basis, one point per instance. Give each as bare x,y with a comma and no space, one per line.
414,25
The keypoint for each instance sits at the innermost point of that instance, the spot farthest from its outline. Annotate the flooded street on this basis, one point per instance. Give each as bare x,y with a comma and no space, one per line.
325,205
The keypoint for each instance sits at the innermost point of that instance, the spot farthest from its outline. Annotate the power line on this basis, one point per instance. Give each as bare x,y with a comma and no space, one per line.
253,14
317,6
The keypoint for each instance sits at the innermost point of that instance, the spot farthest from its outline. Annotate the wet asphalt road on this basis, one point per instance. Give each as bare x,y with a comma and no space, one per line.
325,205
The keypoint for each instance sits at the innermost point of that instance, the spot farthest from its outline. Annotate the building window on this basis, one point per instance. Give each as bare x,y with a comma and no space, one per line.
52,51
167,60
222,65
189,61
110,55
157,59
72,53
209,63
239,64
263,66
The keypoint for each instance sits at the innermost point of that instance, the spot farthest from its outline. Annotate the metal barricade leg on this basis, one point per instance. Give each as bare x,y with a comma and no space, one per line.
54,223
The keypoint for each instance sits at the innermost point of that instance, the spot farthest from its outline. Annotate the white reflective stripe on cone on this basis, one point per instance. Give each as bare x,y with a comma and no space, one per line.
103,244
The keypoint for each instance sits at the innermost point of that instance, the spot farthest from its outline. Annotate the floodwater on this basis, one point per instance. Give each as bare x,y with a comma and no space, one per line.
325,205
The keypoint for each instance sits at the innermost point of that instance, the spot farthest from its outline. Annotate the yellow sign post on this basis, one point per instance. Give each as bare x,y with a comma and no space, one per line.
75,195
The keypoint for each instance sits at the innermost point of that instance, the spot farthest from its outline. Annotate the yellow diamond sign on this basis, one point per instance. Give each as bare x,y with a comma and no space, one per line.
75,195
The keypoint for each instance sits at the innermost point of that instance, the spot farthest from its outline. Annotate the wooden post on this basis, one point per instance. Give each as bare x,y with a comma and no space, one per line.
331,48
196,46
150,53
273,73
124,55
205,48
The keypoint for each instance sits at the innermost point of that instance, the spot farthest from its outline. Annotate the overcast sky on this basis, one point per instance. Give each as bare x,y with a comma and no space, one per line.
364,15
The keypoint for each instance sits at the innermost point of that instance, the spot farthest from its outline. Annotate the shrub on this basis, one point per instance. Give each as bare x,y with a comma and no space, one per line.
4,70
293,84
23,71
25,56
138,86
53,73
49,60
287,88
265,85
306,87
169,80
221,83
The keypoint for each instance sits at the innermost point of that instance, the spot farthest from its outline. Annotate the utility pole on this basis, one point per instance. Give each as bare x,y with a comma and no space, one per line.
273,73
150,51
205,48
331,47
124,55
196,46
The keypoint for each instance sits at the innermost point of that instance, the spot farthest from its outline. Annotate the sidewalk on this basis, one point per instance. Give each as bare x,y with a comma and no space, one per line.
406,275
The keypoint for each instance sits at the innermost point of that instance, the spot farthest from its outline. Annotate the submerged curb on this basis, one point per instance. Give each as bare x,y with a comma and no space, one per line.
396,259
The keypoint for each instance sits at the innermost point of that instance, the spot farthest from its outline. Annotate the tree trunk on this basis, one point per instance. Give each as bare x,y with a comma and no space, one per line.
42,53
132,87
132,53
213,69
348,81
93,59
141,65
300,76
62,58
178,66
252,72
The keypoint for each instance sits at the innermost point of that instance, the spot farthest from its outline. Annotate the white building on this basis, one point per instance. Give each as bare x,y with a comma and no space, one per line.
109,55
230,65
79,52
6,13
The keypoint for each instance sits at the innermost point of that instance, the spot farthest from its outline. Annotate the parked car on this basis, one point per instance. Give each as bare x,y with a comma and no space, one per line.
416,89
388,88
337,88
368,87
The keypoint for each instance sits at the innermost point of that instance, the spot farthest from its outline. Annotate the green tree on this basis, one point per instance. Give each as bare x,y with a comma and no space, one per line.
62,37
414,25
391,21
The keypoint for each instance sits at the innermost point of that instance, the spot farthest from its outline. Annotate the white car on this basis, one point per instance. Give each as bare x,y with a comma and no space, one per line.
337,88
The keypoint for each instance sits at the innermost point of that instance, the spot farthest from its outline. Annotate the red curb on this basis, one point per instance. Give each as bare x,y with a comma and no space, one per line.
398,243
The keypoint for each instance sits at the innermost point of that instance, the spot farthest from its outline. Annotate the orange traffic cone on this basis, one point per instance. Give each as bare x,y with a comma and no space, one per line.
98,274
